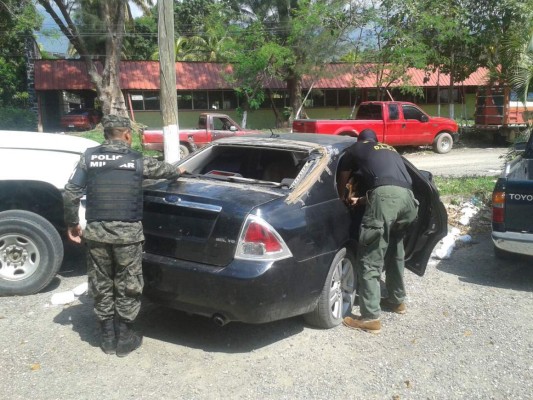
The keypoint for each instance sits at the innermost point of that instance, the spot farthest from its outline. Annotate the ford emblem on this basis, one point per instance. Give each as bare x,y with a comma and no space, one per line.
172,198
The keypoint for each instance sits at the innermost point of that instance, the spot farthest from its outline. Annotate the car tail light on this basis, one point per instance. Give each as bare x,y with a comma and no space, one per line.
260,241
498,204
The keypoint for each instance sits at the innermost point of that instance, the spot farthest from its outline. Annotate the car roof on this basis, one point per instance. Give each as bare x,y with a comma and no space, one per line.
44,141
339,142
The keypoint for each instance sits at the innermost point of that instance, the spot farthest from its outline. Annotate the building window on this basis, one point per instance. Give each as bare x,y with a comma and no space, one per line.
151,101
216,100
344,98
199,100
184,100
230,100
137,101
330,97
315,99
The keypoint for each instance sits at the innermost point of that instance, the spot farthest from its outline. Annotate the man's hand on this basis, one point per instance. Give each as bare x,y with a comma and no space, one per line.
182,171
74,233
358,201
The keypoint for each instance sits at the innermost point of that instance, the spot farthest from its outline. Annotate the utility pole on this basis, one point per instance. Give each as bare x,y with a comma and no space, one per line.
167,71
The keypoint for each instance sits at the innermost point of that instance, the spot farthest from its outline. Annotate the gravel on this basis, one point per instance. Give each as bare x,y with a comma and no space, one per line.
467,335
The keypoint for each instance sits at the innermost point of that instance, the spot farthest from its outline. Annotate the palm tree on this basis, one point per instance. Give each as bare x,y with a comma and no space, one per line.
521,73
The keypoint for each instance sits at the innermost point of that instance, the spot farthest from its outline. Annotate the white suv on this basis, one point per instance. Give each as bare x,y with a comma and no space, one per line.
34,168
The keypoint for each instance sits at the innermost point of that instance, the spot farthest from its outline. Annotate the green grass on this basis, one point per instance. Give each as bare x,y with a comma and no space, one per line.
468,187
98,136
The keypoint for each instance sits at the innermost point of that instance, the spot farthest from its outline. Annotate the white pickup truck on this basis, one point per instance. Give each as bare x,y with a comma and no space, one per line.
34,168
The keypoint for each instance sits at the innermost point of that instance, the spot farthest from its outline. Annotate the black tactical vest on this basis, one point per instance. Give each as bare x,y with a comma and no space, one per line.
114,184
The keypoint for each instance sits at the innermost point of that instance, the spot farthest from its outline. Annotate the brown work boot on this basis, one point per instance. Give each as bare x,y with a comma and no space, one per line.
367,325
393,307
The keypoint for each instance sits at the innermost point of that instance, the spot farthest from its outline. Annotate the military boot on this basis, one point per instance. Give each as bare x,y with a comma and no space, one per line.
109,341
128,339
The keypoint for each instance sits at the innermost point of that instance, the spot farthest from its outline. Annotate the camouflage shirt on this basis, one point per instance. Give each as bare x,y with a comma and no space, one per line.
117,232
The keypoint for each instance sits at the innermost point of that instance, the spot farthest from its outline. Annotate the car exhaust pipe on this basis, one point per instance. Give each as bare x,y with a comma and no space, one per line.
219,320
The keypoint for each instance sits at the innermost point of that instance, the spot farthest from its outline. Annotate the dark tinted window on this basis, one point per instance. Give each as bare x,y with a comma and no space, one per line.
369,111
394,113
410,112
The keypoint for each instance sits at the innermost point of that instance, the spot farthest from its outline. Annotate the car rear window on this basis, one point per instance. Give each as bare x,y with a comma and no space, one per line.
259,163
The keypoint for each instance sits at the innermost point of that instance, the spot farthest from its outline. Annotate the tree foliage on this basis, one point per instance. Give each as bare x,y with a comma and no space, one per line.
18,20
286,40
96,30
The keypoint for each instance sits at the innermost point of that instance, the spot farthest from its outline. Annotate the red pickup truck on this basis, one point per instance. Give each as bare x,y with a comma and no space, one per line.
396,123
211,126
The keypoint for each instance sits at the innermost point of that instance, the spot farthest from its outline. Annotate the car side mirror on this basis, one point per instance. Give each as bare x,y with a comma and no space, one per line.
424,118
233,128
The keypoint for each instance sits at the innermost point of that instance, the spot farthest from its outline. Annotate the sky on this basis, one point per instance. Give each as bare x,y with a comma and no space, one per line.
57,43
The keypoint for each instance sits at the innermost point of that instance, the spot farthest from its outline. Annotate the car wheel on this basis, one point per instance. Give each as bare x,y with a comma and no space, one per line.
443,143
184,151
31,252
338,294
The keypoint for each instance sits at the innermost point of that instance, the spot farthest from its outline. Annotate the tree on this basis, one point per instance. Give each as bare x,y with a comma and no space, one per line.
301,36
18,20
517,51
493,23
521,52
388,45
140,42
110,27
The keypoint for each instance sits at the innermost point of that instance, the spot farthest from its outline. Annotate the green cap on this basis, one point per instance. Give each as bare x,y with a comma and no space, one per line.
115,121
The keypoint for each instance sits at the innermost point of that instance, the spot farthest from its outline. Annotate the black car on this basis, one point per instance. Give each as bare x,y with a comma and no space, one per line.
257,232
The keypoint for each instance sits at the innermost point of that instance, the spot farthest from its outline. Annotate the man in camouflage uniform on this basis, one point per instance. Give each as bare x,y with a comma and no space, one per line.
112,175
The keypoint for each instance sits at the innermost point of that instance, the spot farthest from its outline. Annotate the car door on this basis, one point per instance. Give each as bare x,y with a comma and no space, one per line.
431,224
416,130
222,127
395,126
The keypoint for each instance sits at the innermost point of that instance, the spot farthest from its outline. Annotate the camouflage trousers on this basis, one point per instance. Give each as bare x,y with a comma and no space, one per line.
389,211
115,279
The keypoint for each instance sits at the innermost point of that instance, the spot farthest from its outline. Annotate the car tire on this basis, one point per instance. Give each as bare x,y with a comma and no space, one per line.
338,294
443,143
31,252
184,151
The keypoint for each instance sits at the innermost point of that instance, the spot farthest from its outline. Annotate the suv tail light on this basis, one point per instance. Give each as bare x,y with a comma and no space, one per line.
260,241
498,204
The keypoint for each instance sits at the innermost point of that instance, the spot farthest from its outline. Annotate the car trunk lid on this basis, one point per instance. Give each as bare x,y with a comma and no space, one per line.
199,220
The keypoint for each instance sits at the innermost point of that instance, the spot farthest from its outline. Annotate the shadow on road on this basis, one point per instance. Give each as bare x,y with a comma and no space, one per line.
475,263
178,328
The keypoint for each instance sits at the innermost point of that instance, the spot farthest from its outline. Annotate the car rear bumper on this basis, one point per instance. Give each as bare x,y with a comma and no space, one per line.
246,291
514,242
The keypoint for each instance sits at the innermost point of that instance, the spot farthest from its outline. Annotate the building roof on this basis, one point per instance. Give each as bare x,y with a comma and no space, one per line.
144,75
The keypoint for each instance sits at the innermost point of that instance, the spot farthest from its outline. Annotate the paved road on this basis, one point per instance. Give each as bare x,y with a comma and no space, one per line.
461,161
467,335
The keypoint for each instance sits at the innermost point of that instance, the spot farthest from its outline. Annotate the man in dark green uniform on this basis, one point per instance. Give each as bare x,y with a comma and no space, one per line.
112,175
390,207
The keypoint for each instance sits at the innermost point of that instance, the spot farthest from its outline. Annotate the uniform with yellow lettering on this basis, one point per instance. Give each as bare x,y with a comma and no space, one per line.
389,208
